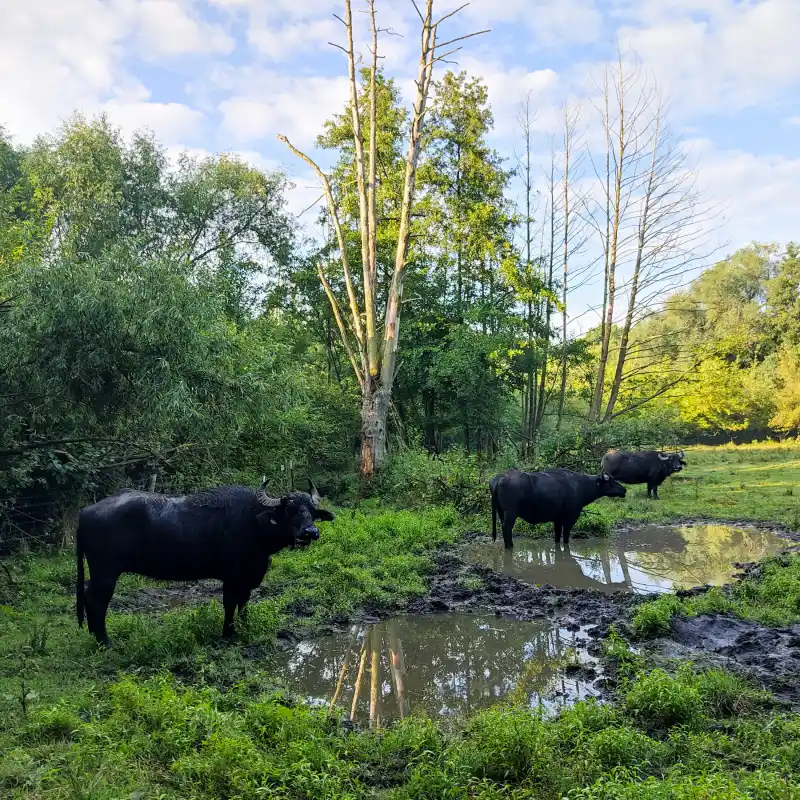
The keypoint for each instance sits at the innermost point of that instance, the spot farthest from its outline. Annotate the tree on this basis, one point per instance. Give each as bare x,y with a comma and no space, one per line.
373,361
650,218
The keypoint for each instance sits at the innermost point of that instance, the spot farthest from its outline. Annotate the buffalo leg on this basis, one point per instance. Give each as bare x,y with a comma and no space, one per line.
566,529
241,606
230,599
98,596
508,529
557,532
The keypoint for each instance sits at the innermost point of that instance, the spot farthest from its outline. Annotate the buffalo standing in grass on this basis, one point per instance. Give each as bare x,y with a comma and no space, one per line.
228,533
643,466
553,495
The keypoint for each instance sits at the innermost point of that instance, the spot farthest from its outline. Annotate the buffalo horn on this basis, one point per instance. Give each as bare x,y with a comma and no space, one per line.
663,456
681,452
266,500
315,495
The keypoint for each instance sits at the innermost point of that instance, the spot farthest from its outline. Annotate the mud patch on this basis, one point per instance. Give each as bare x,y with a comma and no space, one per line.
166,596
771,656
441,665
459,586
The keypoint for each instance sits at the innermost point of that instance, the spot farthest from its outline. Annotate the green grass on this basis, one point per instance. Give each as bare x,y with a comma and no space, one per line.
174,713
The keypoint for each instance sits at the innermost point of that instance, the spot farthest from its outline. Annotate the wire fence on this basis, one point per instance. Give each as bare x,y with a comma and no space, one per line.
43,517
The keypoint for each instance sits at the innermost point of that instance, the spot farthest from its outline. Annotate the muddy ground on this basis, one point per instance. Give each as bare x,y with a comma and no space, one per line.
769,656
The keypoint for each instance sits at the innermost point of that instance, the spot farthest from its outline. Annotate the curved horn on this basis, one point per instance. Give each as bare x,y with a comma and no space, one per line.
663,456
266,500
315,495
681,453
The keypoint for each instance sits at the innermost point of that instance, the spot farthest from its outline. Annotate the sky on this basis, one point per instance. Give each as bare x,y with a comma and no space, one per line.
228,75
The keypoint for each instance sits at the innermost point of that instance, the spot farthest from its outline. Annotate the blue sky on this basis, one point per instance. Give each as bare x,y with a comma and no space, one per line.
227,75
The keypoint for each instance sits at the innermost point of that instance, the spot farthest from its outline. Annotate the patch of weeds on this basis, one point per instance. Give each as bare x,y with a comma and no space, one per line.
652,618
596,521
725,694
470,583
660,700
618,653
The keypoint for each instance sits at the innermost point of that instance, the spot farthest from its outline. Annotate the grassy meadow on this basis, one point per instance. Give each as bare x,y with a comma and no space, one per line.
173,713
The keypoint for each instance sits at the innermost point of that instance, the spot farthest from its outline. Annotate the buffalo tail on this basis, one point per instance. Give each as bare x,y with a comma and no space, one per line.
80,600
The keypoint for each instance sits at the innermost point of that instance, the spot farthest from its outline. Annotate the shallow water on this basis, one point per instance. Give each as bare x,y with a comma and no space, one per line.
439,665
655,558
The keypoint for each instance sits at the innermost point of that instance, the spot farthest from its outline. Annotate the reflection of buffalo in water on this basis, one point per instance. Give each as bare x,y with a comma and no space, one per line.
650,539
566,570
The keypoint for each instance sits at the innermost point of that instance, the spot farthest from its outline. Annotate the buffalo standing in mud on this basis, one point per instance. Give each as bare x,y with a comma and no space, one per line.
228,533
643,466
553,495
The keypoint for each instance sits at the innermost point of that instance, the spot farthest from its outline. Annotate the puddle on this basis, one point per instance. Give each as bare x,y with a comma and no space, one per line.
440,665
656,558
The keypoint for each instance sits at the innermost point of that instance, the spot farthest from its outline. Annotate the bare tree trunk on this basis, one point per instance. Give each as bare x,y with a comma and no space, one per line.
637,269
549,305
570,128
529,411
616,217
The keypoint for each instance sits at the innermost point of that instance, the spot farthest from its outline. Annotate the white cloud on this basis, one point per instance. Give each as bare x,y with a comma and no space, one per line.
170,28
730,56
170,122
266,104
277,42
793,121
550,22
59,56
760,193
509,86
55,56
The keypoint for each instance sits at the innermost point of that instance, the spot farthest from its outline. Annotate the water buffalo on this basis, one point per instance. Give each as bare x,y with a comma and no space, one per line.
553,495
228,533
642,466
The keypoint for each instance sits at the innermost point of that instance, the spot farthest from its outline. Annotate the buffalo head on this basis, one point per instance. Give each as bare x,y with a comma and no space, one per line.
610,487
295,513
673,462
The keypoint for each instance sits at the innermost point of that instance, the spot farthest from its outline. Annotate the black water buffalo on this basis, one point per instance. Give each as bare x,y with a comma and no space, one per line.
642,466
228,533
553,495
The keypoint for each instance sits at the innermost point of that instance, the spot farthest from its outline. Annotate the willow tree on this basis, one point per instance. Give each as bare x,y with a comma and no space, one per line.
371,347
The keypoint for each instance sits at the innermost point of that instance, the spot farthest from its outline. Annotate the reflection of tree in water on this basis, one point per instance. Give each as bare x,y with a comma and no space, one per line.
655,558
710,552
444,664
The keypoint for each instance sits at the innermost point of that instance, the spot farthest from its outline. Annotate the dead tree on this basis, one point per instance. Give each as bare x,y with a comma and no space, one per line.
651,219
372,354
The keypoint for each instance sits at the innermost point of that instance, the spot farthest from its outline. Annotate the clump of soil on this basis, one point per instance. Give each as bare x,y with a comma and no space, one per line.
770,656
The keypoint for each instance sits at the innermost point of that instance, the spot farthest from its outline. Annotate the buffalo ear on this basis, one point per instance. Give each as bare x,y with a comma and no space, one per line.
324,514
